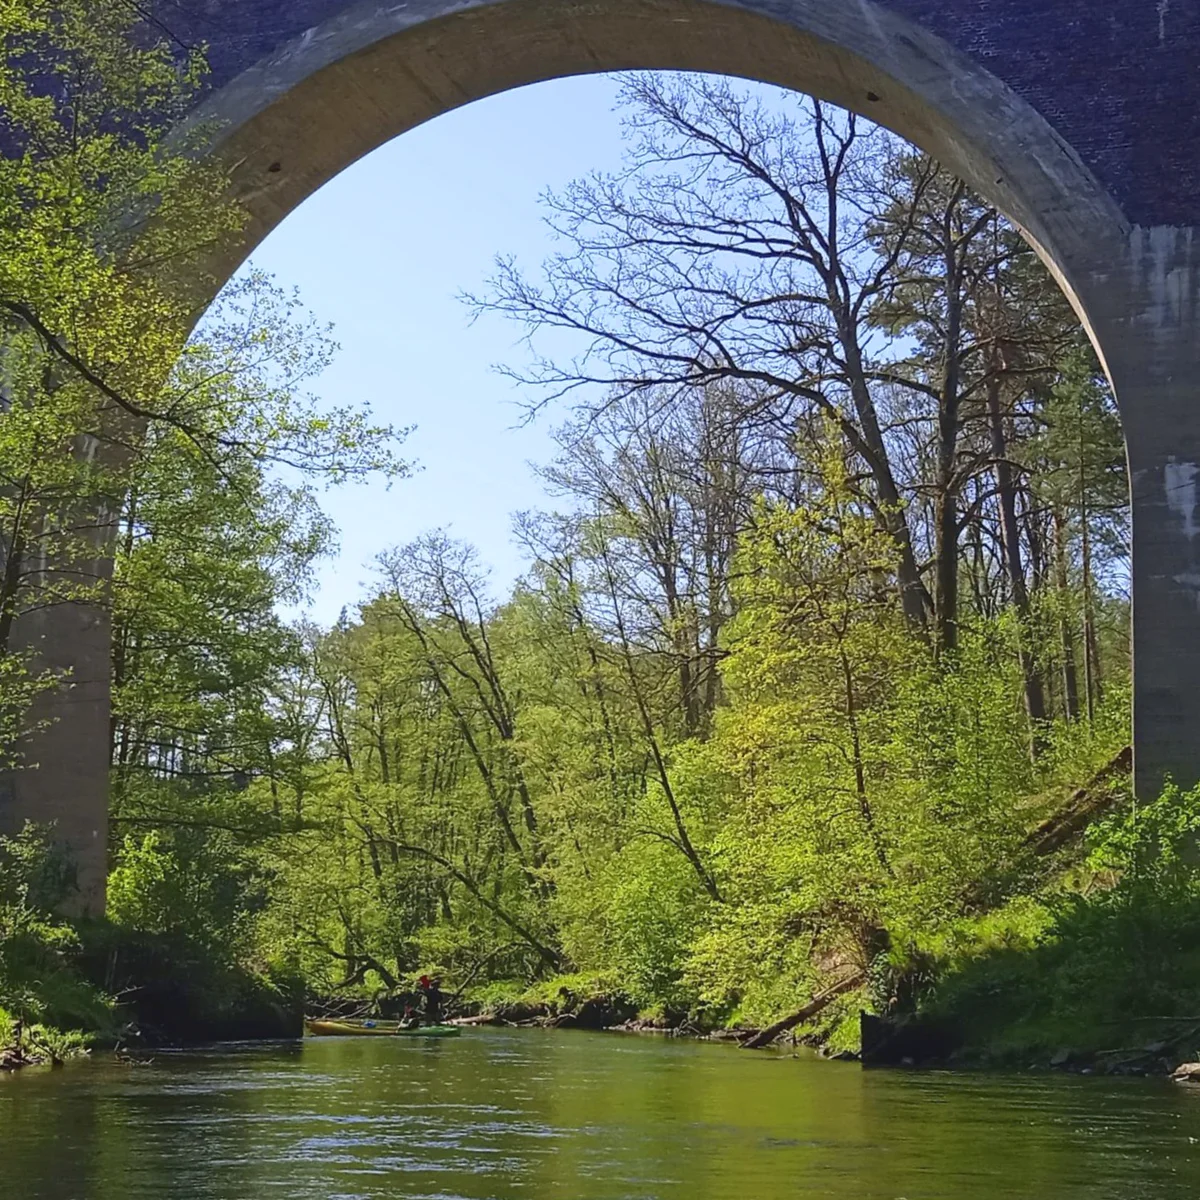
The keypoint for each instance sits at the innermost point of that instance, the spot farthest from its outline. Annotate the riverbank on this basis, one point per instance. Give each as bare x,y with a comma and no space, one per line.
23,1045
1166,1049
938,1039
1097,971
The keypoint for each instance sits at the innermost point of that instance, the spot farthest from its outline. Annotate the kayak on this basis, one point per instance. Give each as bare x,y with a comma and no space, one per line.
319,1028
377,1029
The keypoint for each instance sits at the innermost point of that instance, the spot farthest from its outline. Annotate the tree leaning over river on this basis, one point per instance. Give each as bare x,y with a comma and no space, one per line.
107,430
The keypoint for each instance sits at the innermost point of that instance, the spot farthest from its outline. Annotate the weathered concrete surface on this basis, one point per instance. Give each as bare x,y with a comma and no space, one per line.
1077,117
65,778
1148,320
1116,79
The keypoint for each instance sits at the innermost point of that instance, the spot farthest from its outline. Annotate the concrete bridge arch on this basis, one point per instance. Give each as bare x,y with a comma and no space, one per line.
1075,117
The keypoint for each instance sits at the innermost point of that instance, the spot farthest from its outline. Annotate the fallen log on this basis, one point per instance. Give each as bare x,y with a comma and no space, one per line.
766,1036
1101,793
1065,827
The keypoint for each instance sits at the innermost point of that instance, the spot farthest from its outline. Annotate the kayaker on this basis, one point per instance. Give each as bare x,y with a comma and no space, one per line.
410,1020
431,997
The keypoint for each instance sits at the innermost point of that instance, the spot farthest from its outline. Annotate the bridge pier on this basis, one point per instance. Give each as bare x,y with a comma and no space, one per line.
1149,331
64,779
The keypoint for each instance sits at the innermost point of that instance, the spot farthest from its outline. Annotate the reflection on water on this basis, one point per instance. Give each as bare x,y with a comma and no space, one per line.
499,1114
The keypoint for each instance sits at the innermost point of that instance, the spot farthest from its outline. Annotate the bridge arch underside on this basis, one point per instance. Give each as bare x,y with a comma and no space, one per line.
372,72
367,72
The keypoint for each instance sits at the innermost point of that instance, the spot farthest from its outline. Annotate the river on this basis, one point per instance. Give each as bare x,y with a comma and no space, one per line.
573,1116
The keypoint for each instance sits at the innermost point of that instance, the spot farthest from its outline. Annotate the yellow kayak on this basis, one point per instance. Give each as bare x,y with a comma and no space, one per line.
318,1028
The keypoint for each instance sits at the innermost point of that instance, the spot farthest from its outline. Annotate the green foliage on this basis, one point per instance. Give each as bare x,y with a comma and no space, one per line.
213,544
649,911
198,885
207,456
93,207
496,791
1153,850
41,981
1111,961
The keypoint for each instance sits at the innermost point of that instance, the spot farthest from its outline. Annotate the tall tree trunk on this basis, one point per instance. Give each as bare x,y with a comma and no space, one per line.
914,597
860,774
1091,659
14,567
945,598
1065,632
1010,536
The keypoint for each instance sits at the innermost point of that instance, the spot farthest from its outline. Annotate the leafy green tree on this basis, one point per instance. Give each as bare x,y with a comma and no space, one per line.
217,537
99,217
214,546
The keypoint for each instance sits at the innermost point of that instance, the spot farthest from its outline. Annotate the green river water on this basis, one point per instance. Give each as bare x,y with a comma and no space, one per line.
575,1116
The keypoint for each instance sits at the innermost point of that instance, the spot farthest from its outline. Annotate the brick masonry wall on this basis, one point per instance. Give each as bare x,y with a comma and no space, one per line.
1118,79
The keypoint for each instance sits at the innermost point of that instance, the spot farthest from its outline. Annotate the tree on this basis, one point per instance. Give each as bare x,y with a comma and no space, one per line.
213,543
97,215
1077,461
737,249
672,484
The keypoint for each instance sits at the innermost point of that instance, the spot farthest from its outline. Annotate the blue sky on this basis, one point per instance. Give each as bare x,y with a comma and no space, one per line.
384,251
